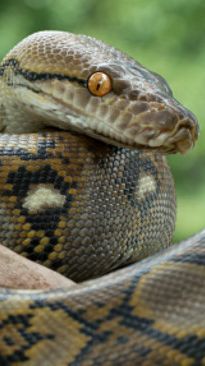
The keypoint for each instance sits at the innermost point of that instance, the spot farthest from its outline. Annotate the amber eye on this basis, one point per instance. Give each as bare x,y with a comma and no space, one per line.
99,84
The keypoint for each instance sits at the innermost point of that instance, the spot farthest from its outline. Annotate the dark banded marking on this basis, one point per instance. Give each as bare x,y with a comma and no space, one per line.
34,76
194,258
28,338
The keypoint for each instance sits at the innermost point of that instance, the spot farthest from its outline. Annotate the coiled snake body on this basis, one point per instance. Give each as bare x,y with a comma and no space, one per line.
91,197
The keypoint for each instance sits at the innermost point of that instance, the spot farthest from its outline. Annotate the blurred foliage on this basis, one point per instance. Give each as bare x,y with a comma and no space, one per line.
166,36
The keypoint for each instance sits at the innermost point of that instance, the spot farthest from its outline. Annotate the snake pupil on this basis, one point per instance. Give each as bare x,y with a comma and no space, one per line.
98,86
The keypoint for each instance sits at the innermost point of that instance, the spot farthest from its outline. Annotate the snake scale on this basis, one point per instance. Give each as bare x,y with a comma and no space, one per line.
85,190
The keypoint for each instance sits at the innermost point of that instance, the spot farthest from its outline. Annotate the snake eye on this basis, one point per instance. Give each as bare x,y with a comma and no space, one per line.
99,84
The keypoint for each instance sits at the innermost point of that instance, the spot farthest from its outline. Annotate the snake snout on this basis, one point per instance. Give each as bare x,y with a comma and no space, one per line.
161,126
175,132
185,131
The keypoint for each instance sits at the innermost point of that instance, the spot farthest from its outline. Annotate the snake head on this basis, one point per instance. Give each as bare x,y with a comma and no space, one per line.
47,80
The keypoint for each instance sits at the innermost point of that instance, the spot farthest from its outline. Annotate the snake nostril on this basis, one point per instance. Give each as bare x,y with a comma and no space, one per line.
191,126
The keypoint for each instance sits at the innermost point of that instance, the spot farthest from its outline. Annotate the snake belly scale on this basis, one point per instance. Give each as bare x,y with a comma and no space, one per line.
85,189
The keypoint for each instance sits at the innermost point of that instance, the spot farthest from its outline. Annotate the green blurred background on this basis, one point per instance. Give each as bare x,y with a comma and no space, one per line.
166,36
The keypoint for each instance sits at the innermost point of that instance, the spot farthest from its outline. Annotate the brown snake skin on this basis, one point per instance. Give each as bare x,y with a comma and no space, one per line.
85,207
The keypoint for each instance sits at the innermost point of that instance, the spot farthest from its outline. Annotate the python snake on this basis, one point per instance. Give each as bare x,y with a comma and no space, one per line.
85,190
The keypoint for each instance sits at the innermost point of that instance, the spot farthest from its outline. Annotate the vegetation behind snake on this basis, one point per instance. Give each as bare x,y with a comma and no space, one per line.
85,207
